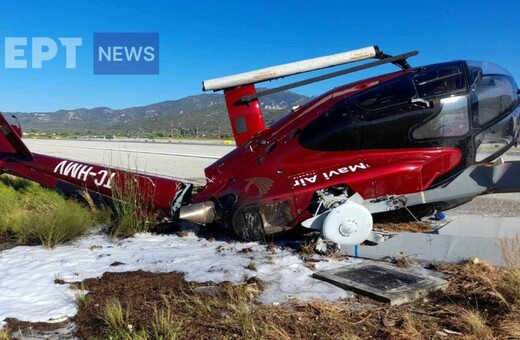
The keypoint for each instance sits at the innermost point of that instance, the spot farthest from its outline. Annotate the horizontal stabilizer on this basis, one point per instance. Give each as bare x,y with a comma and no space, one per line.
10,141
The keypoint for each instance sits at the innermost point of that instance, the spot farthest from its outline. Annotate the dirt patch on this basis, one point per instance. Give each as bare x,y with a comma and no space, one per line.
39,330
7,245
224,311
137,291
412,227
474,305
24,326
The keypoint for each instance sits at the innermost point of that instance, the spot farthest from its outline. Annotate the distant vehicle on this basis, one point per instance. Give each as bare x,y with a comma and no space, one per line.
398,146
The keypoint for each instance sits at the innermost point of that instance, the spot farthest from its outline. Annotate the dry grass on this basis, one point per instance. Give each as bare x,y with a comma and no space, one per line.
510,249
510,327
132,210
112,316
487,299
5,334
115,322
409,328
252,266
308,248
412,227
82,299
165,325
475,323
477,304
60,221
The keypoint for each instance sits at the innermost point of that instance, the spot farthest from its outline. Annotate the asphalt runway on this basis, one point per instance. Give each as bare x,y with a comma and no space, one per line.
177,160
187,160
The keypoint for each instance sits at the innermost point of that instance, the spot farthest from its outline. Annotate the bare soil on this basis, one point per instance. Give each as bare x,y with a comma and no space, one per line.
211,311
7,245
474,287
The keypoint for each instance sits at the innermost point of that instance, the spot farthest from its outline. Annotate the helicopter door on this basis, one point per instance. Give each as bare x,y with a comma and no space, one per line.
451,121
387,112
337,129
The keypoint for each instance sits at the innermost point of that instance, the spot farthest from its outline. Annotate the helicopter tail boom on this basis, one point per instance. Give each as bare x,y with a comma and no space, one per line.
73,177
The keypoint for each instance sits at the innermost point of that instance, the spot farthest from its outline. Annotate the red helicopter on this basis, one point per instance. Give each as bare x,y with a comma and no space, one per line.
398,146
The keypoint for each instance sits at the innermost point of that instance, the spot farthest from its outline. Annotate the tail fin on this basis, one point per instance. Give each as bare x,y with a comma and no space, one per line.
10,141
246,118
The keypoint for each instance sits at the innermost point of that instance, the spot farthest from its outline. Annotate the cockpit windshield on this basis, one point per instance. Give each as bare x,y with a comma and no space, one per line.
493,91
486,68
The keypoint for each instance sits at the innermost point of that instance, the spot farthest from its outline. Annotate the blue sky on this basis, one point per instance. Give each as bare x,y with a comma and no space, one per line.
206,39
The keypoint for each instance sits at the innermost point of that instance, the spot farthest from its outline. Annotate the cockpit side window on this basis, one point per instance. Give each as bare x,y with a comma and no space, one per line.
377,118
391,93
334,130
440,79
492,95
452,121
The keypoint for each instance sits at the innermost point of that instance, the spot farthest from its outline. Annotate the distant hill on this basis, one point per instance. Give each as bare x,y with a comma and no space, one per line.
199,114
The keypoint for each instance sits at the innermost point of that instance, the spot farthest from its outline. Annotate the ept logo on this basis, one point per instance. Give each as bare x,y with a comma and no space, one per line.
42,49
126,53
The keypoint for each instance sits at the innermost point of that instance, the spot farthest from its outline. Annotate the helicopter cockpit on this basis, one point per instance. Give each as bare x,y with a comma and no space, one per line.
465,104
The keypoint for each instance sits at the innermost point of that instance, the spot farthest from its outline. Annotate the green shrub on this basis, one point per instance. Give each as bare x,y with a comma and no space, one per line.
11,212
8,197
17,183
61,221
32,214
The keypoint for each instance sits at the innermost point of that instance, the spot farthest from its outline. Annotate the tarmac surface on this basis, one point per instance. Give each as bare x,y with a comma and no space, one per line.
185,160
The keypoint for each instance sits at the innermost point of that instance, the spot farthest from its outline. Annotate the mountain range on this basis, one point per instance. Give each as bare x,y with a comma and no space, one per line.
203,114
